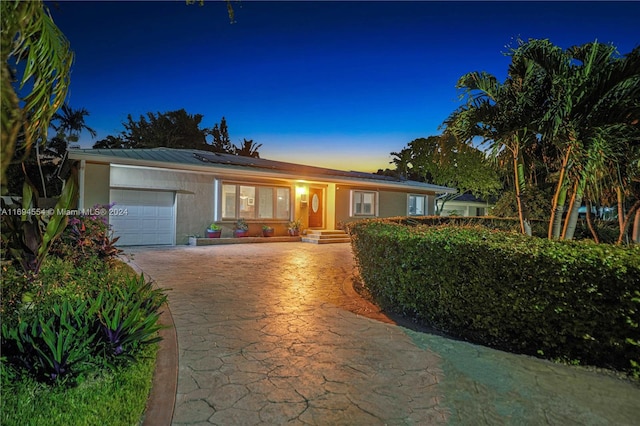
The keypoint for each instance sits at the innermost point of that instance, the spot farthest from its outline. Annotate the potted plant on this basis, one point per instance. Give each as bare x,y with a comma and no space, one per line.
267,231
214,231
242,228
294,227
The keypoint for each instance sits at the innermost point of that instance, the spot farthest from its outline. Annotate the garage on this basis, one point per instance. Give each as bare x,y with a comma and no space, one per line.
141,217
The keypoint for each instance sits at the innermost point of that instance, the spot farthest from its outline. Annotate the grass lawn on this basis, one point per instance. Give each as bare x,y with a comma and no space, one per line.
117,398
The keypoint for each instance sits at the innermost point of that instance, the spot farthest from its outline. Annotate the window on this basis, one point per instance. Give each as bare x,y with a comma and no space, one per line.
417,205
363,203
247,202
255,202
229,201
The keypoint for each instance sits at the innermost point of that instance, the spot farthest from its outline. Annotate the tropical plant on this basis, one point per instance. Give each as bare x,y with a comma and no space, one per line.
214,227
128,316
27,235
29,34
248,149
504,116
591,117
571,114
87,236
52,345
69,124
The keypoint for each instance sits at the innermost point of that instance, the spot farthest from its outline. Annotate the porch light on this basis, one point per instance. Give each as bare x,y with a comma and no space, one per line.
301,191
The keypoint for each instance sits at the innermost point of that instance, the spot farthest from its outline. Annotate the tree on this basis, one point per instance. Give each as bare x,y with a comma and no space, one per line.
402,161
591,117
28,35
112,142
570,114
504,116
179,130
68,123
248,149
171,129
444,160
221,141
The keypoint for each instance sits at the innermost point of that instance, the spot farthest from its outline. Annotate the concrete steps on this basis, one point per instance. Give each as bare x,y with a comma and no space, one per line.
326,236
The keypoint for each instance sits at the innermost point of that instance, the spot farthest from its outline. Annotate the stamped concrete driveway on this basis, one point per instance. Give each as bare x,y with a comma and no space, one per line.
274,334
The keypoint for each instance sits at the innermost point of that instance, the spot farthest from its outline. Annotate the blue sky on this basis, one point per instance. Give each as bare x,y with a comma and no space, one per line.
332,84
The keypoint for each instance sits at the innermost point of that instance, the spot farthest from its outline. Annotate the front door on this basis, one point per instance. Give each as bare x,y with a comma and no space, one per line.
315,208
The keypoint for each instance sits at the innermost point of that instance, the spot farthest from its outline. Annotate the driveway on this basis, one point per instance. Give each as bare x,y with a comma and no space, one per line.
274,334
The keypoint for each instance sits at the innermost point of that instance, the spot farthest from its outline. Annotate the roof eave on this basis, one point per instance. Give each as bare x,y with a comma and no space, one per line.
216,168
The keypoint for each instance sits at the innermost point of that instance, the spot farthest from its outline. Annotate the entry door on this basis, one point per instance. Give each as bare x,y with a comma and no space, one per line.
315,208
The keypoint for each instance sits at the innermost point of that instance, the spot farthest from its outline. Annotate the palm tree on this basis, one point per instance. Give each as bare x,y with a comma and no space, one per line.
589,116
248,149
29,34
505,116
70,123
402,161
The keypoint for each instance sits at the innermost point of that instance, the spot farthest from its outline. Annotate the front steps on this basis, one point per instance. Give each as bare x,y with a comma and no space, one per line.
326,237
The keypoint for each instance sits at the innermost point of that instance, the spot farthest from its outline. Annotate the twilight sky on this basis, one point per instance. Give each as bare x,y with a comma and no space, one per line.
331,84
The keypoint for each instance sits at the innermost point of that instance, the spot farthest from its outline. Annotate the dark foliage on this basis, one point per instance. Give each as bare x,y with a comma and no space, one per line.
572,301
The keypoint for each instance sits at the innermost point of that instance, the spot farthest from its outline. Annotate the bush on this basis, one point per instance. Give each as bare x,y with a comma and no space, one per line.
68,320
560,300
128,317
51,346
87,237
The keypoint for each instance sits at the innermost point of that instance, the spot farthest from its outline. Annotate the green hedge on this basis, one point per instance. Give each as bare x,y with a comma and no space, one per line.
574,301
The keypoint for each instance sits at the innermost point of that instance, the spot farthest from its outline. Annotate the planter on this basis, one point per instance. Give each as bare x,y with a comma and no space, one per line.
214,234
239,233
268,232
294,232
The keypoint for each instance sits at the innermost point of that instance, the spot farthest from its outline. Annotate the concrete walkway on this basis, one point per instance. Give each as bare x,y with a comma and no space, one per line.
274,334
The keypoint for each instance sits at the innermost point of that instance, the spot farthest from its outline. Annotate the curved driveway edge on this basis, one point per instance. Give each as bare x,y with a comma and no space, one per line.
162,398
264,338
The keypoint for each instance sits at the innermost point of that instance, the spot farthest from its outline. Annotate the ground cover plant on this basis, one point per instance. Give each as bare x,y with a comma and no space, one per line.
79,334
571,301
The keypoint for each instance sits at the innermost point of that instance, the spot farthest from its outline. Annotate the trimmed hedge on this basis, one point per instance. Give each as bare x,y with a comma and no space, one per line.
573,301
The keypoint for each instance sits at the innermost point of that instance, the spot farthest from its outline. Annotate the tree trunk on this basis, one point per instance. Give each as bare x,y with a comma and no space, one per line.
556,215
620,197
635,233
518,170
557,207
627,222
590,224
571,221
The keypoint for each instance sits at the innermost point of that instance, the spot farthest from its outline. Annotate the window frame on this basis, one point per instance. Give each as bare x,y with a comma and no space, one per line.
352,203
426,204
220,211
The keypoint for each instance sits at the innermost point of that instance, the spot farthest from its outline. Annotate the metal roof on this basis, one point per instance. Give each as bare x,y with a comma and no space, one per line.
188,159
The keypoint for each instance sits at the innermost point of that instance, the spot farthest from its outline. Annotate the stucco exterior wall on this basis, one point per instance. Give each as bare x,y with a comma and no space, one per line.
96,185
390,203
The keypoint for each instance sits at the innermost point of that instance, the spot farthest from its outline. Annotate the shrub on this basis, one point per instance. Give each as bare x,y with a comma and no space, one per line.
128,317
51,346
560,300
87,237
68,320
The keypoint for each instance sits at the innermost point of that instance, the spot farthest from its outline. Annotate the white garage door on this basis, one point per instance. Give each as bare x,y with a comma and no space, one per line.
142,217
